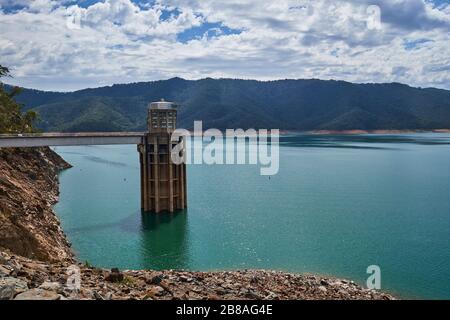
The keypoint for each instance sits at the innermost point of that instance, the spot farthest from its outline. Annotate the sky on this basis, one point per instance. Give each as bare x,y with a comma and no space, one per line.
68,45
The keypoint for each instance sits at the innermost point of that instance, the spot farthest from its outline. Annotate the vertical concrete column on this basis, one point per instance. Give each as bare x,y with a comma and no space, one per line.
182,186
178,184
170,173
141,163
156,172
144,174
148,181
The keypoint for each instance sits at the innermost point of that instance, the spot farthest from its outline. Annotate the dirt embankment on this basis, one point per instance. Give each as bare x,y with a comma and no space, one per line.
28,190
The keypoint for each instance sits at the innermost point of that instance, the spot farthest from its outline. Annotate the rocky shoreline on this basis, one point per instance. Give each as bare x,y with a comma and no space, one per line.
25,279
36,262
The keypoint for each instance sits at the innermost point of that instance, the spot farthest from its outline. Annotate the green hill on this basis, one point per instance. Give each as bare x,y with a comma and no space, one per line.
229,103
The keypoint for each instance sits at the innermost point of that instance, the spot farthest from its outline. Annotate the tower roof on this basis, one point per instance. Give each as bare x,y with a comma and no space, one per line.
164,105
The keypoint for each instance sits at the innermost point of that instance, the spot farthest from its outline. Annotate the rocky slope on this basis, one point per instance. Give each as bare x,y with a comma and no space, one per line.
28,190
36,261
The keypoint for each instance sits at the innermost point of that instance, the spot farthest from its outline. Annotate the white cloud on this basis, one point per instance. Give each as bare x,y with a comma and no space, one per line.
120,41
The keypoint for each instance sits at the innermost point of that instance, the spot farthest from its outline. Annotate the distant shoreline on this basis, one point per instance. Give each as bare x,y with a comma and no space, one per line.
338,132
356,132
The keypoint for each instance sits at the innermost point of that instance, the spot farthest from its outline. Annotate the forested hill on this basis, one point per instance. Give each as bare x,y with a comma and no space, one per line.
228,103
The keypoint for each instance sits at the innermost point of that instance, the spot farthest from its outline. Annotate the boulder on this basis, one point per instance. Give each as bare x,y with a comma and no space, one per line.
3,259
114,276
4,271
10,286
185,279
7,292
155,291
322,288
97,296
38,294
51,286
156,279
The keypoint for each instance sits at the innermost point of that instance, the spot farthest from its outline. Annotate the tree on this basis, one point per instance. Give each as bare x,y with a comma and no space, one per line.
12,119
4,71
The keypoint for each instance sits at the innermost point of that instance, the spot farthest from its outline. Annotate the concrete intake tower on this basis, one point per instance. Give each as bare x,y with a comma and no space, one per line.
163,183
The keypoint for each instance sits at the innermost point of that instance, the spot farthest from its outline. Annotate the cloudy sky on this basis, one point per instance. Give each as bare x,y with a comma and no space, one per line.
66,45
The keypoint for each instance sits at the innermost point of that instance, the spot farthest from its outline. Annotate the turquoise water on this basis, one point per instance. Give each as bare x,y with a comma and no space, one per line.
337,205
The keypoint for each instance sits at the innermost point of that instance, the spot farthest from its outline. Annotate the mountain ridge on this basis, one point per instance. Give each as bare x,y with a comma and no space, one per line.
302,104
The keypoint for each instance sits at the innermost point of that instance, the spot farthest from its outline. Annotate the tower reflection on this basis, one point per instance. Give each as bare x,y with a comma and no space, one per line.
164,240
